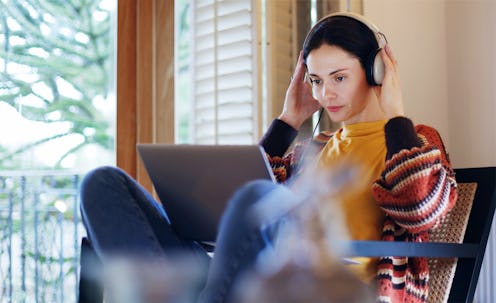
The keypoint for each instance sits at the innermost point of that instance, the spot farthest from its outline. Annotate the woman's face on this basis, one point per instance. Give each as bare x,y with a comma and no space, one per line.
339,84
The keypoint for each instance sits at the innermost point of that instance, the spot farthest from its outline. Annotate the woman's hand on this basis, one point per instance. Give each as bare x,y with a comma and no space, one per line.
389,94
299,104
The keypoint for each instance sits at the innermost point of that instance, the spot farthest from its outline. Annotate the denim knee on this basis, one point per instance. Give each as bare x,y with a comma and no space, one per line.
250,193
239,210
94,183
245,197
99,176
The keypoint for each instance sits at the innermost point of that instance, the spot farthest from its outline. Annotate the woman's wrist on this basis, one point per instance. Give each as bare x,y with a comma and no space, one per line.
394,116
291,120
397,111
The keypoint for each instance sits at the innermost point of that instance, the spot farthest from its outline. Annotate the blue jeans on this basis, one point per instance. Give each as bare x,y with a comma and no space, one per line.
121,217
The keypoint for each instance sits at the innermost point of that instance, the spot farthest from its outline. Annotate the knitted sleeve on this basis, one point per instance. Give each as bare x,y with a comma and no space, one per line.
418,186
284,167
276,142
285,161
278,138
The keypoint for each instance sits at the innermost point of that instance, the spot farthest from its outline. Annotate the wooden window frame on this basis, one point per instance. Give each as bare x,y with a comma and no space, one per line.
145,80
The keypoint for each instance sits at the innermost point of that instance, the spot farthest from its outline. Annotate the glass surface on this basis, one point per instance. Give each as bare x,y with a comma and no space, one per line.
57,87
182,72
57,121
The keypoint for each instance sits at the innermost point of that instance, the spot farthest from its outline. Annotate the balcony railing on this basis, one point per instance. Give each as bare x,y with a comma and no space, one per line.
40,236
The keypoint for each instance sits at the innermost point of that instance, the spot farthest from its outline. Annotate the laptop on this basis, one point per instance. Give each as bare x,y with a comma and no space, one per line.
195,182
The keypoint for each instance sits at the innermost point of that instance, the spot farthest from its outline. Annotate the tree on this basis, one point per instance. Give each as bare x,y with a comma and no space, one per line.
56,63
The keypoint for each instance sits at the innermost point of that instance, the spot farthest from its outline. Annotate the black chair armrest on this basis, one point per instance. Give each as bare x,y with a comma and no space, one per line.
90,284
411,249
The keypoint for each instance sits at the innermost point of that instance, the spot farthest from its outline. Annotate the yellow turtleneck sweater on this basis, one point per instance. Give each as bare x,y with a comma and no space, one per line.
363,144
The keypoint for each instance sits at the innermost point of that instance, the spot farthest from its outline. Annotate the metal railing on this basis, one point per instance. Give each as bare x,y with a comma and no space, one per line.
40,236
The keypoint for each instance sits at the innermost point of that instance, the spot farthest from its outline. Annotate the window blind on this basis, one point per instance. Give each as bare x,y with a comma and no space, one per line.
239,58
222,68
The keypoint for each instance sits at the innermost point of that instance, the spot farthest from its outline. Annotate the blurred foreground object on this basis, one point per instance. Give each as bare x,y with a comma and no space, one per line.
307,261
140,280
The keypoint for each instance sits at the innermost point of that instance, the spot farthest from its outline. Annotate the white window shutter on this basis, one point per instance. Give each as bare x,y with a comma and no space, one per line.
223,92
235,63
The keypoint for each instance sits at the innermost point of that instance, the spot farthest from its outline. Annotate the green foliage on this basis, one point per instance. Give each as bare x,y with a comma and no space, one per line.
183,77
64,52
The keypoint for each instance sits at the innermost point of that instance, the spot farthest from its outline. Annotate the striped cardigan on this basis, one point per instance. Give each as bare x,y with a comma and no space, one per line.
416,189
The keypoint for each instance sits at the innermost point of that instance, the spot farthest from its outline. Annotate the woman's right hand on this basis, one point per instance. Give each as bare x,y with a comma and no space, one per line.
299,104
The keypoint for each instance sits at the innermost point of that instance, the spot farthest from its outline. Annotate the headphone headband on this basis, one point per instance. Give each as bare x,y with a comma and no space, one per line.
379,36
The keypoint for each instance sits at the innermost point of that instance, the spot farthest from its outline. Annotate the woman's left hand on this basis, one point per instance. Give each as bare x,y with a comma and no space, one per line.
389,94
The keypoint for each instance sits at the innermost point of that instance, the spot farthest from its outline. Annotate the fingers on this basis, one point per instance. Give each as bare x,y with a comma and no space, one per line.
388,58
300,69
389,52
390,92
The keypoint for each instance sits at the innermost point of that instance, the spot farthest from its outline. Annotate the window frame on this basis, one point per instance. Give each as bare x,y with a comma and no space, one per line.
145,80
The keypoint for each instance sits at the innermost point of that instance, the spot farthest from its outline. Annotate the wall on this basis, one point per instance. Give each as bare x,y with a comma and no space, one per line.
416,33
447,55
471,41
446,52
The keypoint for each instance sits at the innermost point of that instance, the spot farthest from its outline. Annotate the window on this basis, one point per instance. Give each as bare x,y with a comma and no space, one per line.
156,106
57,99
240,57
57,120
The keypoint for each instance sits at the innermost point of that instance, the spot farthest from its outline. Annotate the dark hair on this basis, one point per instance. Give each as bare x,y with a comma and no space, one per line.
345,32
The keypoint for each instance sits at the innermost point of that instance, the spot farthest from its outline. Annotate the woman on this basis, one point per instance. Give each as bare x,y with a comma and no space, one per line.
412,183
408,166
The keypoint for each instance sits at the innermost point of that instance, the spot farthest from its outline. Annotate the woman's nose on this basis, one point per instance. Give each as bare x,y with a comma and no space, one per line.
328,91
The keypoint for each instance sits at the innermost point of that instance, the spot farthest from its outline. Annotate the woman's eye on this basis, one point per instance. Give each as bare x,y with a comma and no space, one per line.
339,78
315,81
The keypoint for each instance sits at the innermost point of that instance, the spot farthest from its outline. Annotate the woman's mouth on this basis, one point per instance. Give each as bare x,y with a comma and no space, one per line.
334,109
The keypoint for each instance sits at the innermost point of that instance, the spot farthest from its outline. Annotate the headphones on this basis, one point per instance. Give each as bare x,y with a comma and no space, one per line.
374,66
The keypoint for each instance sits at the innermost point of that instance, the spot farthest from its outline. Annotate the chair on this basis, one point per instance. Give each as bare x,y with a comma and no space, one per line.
451,230
459,278
90,284
451,279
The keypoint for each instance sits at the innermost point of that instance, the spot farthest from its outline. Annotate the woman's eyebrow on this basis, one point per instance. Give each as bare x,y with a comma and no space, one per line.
331,73
337,71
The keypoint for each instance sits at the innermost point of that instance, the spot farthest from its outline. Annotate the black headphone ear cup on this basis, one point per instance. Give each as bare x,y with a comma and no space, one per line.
374,68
